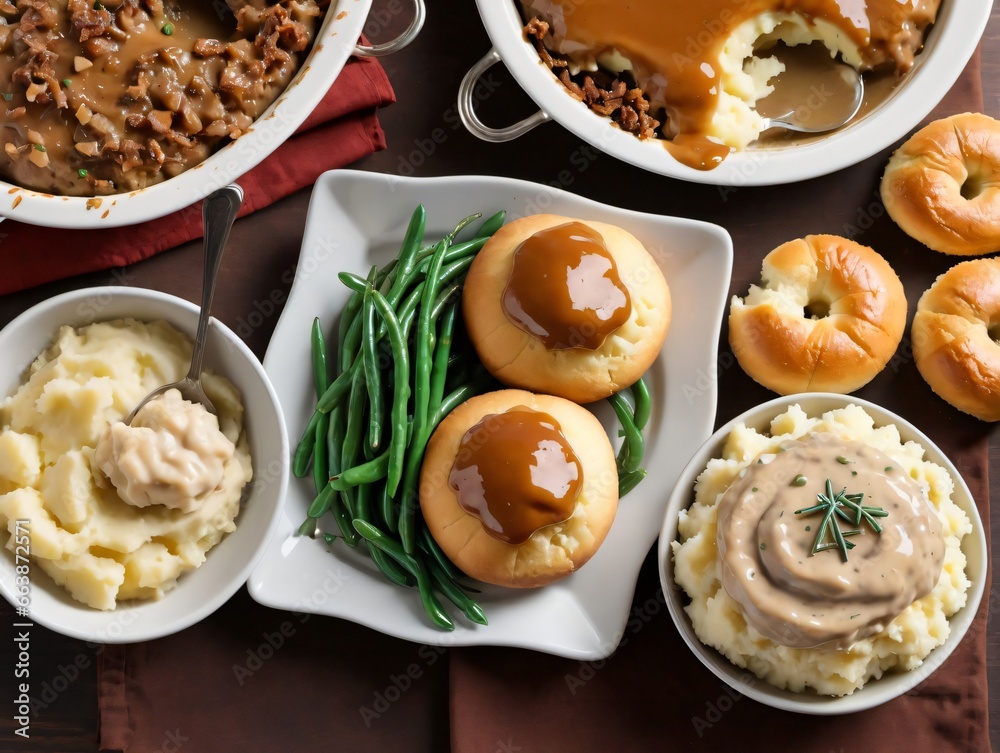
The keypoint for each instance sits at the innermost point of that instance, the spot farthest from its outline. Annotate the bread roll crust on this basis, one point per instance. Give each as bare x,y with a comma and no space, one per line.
786,351
923,183
519,359
952,344
552,552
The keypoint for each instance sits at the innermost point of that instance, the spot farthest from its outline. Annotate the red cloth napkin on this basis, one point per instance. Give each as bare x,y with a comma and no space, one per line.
342,129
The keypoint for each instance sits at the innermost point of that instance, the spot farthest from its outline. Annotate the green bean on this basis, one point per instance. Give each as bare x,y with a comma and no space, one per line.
343,516
401,396
365,473
338,389
373,375
643,403
351,446
421,397
455,269
455,251
305,447
388,567
430,546
387,509
464,223
385,564
407,255
347,318
408,311
335,440
351,345
459,396
321,470
461,255
321,374
309,527
322,502
630,455
491,225
444,299
414,566
439,368
464,249
456,595
355,282
629,480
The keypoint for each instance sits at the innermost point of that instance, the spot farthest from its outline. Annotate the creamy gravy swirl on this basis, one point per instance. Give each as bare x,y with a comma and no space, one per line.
675,47
803,600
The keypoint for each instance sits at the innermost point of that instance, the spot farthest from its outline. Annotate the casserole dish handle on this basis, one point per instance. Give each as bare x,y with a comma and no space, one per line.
387,48
467,112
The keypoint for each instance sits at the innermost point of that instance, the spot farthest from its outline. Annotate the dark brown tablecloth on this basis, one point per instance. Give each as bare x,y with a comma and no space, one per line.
252,678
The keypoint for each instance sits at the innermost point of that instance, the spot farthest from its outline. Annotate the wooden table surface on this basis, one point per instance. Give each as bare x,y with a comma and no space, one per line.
425,138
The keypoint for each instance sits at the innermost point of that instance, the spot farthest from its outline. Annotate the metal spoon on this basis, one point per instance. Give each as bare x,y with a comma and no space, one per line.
807,117
218,214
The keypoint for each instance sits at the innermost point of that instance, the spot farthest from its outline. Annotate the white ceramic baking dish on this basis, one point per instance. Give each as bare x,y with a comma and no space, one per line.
334,44
949,46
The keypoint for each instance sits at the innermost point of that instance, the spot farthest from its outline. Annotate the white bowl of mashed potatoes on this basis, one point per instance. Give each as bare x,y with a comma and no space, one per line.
772,604
137,540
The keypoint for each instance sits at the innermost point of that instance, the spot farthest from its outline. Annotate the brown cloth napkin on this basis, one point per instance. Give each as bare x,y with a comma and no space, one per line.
342,129
653,694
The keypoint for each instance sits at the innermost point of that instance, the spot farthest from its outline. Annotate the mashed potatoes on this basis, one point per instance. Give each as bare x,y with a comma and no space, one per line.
82,534
718,619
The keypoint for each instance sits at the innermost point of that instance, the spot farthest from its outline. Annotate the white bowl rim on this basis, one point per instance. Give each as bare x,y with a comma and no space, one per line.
332,46
872,694
950,45
176,624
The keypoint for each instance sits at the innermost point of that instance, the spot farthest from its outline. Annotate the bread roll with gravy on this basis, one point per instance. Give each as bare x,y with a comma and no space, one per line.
548,553
563,349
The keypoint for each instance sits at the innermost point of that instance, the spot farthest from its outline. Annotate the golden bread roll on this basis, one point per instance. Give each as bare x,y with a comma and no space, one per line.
521,359
829,317
942,186
548,553
953,345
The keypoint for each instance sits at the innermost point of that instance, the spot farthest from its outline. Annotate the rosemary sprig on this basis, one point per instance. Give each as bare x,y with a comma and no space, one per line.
846,506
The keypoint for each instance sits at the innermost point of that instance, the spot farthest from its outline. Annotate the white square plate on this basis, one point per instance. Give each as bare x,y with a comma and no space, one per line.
357,219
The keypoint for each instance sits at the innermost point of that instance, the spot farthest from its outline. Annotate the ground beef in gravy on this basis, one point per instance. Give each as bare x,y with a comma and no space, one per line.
116,95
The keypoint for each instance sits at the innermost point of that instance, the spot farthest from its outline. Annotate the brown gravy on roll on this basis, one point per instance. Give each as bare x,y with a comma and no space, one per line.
516,472
675,48
564,288
779,559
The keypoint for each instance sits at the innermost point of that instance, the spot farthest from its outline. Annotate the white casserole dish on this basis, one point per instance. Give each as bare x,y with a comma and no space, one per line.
335,42
948,48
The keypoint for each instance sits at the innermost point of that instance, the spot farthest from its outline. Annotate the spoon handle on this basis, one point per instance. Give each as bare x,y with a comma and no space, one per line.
218,214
